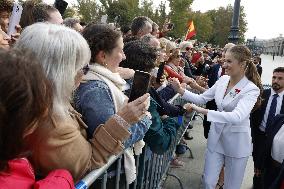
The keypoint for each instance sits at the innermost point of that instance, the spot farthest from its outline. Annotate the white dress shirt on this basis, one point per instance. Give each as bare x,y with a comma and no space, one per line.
220,72
278,108
277,150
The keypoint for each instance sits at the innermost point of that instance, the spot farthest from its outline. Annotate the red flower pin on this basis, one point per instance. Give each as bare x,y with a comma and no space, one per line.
237,91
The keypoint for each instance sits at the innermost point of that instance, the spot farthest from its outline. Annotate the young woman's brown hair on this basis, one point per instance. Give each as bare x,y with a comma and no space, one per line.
100,37
25,99
243,54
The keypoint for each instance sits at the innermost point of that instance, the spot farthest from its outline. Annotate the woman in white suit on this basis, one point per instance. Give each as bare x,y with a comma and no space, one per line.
229,141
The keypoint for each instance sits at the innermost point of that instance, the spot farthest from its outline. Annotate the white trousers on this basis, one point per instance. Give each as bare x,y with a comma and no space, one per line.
234,170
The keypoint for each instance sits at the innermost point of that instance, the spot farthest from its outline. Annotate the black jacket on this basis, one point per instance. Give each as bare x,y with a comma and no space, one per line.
257,116
271,131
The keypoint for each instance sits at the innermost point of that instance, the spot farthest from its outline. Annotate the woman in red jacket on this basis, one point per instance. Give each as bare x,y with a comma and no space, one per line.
25,99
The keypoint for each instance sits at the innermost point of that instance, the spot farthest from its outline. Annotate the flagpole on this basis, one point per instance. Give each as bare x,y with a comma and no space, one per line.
234,32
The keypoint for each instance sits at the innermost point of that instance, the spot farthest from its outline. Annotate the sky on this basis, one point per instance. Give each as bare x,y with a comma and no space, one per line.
264,17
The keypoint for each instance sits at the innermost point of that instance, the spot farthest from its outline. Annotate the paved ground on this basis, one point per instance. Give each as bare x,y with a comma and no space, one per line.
191,173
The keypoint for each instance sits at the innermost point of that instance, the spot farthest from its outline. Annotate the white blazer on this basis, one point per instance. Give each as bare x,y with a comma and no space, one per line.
230,132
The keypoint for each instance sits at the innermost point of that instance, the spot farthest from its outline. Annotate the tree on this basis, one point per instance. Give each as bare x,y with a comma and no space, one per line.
160,14
203,26
70,12
118,10
222,21
179,15
146,8
88,9
125,9
243,25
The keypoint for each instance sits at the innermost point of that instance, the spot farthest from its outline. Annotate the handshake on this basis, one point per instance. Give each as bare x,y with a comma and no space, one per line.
192,107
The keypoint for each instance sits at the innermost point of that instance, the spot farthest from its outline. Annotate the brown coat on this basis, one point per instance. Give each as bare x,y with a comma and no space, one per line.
62,144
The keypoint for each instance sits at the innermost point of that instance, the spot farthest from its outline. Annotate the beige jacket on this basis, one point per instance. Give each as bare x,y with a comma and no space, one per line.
61,144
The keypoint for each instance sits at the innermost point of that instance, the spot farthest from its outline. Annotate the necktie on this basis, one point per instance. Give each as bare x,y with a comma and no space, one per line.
272,110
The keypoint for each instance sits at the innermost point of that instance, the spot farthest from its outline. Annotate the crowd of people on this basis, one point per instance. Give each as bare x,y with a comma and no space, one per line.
64,106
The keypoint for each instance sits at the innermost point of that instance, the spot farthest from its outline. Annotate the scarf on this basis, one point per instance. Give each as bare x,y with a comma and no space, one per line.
116,85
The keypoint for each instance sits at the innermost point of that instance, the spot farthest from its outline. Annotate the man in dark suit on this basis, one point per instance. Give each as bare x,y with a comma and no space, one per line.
273,172
262,117
257,63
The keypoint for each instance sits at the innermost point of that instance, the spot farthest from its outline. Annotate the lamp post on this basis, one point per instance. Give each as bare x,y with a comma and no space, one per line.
234,32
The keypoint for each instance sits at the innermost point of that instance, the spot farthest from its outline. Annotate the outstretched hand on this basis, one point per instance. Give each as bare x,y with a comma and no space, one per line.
134,111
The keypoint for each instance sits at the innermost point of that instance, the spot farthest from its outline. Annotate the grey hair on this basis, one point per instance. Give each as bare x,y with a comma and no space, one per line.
147,38
62,52
70,22
228,46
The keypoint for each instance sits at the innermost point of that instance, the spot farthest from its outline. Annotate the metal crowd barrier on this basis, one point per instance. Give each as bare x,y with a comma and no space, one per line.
154,169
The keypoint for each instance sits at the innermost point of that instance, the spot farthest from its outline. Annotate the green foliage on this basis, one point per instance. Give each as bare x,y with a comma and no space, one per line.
243,25
88,9
222,21
179,15
212,26
146,8
70,12
160,14
203,26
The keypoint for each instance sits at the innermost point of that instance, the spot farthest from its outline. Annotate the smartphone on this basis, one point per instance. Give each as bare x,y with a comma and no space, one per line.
14,18
140,85
160,72
61,6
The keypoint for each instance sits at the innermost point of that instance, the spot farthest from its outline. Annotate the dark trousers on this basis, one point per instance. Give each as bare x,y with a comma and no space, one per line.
271,172
259,139
211,105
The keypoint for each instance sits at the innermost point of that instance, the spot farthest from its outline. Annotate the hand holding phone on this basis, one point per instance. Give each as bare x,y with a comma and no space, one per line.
15,18
140,86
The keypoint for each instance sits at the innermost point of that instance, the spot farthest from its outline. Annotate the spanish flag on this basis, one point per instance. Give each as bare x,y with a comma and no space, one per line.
191,31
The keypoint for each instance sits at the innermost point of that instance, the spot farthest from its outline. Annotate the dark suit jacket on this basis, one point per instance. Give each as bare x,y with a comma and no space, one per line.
165,108
257,116
188,67
213,74
211,105
271,131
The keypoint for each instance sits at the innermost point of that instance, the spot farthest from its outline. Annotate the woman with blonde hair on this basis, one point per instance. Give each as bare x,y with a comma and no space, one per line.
61,141
229,141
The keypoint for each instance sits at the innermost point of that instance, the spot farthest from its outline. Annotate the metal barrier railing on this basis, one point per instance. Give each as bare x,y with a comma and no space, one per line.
151,174
154,168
